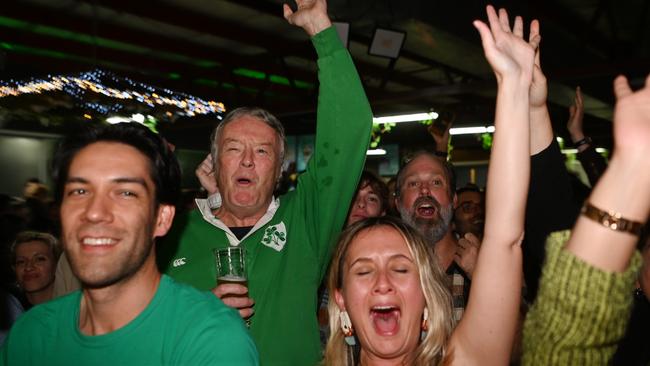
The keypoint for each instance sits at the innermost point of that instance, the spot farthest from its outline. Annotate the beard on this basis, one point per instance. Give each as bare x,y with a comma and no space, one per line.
433,229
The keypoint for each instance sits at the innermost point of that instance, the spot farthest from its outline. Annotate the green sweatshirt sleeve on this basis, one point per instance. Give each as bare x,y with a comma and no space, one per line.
344,122
581,312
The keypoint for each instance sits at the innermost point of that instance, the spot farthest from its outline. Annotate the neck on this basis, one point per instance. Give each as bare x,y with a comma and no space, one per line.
367,359
445,249
104,310
40,296
237,217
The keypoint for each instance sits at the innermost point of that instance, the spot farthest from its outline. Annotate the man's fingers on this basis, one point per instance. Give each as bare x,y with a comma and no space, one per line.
286,9
229,289
246,313
471,239
238,302
621,87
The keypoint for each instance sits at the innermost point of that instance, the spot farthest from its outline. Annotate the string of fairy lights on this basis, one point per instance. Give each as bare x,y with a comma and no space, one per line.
95,81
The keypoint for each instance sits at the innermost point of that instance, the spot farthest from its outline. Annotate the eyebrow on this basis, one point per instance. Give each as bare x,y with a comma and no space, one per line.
230,139
120,180
392,257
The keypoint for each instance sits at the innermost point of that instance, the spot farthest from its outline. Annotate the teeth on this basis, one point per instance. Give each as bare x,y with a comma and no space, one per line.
383,307
98,241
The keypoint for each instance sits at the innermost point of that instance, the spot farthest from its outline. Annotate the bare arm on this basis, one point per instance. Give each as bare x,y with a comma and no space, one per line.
486,332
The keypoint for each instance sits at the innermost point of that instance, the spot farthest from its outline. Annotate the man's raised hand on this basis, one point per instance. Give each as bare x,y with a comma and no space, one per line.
311,16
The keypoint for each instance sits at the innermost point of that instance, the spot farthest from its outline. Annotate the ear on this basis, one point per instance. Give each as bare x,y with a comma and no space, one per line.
455,201
338,297
164,219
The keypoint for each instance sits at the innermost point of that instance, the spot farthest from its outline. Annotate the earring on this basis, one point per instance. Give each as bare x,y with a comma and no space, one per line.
425,324
346,327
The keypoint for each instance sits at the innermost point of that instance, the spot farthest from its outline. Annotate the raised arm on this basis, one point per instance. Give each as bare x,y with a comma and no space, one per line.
584,299
344,122
593,164
486,332
623,188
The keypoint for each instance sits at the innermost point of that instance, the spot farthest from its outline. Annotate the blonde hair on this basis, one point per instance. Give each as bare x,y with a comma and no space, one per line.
431,349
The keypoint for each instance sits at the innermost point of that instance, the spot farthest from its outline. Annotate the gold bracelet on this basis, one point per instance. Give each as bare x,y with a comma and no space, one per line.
612,220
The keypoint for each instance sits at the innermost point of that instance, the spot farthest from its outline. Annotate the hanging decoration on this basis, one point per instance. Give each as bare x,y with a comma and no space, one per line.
86,87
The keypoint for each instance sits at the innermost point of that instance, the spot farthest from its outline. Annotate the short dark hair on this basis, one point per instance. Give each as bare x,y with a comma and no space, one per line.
447,167
378,186
469,187
164,169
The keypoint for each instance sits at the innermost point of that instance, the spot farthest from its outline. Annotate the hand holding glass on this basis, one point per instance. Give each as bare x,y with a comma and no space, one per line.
231,266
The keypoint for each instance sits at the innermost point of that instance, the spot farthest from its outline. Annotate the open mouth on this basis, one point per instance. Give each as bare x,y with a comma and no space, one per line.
426,210
426,206
385,319
244,181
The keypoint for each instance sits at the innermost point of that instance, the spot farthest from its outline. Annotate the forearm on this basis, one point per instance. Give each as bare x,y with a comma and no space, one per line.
508,174
495,292
541,130
623,189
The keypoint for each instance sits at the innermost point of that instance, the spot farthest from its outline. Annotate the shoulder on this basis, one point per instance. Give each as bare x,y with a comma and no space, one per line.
207,322
201,302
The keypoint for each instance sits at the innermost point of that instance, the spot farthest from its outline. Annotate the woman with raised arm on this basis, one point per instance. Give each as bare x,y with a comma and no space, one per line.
390,304
584,298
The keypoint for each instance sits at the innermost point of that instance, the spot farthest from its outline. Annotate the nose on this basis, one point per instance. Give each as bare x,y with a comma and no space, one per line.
30,265
247,158
383,284
424,189
98,209
360,202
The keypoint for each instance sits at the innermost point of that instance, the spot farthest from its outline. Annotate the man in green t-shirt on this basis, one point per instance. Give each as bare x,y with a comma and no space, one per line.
116,186
288,239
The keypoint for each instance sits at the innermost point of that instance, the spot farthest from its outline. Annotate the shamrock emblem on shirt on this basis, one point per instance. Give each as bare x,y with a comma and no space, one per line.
275,236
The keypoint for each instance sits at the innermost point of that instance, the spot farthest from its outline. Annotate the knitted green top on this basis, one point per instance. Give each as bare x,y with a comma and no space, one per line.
581,312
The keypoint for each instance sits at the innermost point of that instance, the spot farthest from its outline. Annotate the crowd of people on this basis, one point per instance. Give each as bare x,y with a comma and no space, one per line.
345,269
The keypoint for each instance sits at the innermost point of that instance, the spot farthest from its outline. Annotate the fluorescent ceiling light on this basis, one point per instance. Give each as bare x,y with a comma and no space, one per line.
471,130
376,152
405,118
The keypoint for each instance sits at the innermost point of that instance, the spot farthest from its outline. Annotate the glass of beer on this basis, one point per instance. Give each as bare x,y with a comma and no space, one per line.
231,266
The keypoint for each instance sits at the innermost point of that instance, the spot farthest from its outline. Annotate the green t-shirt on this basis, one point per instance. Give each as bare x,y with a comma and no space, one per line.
288,250
181,326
